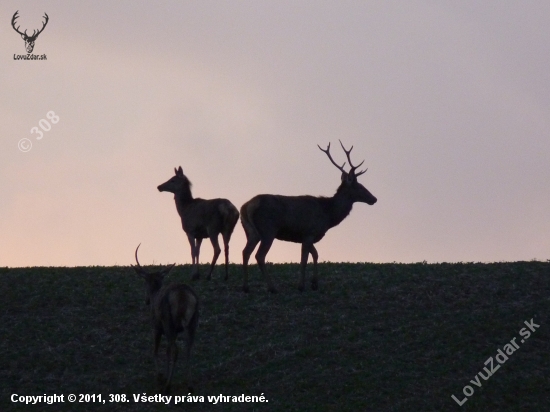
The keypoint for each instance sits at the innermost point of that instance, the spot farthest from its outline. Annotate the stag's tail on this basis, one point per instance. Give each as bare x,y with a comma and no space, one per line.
247,213
230,216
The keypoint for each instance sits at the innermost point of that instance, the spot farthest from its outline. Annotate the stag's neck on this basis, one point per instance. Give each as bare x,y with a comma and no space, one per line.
339,207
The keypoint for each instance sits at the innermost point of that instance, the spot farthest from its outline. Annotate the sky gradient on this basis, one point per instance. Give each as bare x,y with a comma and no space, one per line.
448,103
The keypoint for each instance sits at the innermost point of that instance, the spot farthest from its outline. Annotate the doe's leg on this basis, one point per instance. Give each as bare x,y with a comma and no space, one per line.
217,250
226,239
195,251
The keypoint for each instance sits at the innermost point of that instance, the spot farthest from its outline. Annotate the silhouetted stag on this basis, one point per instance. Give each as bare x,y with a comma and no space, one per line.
201,219
174,309
299,219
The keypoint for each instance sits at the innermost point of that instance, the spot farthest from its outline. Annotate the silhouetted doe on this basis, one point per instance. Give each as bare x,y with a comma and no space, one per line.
201,219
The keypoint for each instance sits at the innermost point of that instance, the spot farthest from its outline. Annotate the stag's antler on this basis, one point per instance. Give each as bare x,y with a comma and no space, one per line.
163,272
341,168
353,168
137,261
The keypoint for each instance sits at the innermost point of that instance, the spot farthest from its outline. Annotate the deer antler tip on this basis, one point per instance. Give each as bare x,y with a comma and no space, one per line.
137,261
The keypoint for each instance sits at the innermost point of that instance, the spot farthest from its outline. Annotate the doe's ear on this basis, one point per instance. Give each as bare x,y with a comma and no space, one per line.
180,171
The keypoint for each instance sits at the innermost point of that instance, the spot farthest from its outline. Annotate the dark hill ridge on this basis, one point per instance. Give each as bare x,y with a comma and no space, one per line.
376,337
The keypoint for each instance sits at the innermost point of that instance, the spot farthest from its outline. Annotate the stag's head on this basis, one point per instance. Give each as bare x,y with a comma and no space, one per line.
153,280
179,183
350,186
29,40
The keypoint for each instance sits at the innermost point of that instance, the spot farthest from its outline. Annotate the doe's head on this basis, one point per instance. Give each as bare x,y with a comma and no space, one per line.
176,184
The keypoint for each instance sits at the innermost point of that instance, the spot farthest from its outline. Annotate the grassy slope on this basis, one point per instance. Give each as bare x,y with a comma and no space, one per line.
377,337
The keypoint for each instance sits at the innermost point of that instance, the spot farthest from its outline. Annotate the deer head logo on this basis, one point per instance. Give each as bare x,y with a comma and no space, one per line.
29,40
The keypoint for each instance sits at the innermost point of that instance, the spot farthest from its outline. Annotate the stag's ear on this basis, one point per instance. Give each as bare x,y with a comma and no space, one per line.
164,272
139,271
345,178
348,178
23,36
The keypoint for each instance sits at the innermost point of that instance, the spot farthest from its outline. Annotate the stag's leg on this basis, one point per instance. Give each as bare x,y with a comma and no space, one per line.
226,238
265,245
217,250
251,242
172,356
191,328
314,279
157,334
306,247
188,347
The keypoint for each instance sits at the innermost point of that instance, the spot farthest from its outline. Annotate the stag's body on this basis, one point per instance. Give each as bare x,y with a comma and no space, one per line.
299,219
174,309
201,218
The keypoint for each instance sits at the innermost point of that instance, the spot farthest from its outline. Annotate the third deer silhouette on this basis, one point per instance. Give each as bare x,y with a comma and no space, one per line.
299,219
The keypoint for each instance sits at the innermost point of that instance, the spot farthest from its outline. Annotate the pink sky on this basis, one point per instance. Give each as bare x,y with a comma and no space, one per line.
447,102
